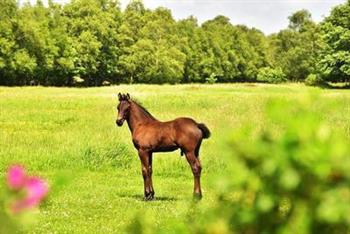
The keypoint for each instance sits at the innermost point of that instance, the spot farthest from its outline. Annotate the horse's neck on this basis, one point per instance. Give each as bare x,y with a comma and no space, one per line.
137,117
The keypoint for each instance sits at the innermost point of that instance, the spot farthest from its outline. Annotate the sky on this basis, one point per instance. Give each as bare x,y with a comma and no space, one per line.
267,15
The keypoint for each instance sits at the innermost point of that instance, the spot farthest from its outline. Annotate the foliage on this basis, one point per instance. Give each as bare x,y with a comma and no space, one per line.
78,80
335,61
97,41
296,49
314,80
271,75
211,79
296,181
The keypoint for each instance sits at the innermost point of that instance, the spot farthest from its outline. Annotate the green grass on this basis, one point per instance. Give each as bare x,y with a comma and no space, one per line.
69,136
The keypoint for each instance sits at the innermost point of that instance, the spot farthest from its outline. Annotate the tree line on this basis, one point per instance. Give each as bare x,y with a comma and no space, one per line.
94,42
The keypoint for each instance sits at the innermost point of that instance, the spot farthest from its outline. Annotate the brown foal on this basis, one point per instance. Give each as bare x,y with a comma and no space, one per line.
150,135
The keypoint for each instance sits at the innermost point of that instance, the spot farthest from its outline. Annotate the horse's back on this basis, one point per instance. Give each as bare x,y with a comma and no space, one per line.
186,122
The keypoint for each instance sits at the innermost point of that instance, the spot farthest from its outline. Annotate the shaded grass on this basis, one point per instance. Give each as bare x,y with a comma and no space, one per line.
69,136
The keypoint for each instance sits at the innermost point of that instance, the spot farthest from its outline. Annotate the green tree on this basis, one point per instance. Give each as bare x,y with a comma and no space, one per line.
95,41
128,34
233,53
92,27
300,20
8,20
191,45
296,49
154,56
33,35
335,60
64,65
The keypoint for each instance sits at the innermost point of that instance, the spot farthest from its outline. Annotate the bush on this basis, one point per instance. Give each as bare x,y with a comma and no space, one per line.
78,81
271,75
106,83
314,80
297,181
211,79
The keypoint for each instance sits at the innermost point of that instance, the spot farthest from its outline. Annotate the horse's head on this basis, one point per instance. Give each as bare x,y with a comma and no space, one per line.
123,108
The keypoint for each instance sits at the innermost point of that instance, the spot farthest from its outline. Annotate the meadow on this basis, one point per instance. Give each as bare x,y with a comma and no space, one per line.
69,136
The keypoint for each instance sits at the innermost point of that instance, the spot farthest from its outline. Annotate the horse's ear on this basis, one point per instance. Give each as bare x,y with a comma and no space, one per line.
120,96
128,96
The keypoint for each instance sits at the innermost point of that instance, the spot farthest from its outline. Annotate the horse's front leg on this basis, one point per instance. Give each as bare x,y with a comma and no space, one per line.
146,173
150,173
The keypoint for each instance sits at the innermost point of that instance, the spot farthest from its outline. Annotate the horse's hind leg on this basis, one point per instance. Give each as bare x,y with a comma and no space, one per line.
196,170
196,151
146,173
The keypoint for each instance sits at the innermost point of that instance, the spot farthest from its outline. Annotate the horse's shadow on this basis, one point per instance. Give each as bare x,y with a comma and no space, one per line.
156,198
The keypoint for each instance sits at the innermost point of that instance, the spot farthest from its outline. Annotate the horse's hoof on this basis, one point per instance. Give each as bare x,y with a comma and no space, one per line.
149,197
197,196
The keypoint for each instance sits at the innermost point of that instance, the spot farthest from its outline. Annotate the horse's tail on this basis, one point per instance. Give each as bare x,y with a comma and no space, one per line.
205,130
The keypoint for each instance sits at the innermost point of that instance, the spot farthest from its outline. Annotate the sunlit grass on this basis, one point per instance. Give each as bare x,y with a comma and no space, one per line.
71,132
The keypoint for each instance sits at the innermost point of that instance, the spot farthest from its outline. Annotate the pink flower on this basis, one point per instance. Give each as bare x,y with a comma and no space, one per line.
16,177
35,188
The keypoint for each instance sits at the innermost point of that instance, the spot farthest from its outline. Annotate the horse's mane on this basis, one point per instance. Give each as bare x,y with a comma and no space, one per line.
138,103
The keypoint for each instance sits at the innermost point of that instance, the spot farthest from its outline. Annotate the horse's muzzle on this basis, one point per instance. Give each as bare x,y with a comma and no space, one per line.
119,122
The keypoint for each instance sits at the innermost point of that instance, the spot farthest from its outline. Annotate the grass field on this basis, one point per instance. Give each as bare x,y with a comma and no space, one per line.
69,136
